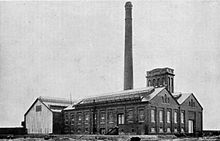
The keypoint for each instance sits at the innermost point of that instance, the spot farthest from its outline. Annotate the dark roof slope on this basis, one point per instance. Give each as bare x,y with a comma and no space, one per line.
142,94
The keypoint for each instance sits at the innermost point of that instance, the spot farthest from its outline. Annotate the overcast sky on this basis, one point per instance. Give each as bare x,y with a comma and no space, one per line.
58,48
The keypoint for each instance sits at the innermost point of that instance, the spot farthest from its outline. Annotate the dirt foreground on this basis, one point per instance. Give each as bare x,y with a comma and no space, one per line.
111,138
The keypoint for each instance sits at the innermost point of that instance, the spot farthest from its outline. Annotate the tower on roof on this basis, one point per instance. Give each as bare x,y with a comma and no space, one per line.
161,77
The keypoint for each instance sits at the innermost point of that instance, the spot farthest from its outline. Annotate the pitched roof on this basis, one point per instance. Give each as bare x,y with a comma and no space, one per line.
148,97
52,103
181,97
115,96
55,104
142,94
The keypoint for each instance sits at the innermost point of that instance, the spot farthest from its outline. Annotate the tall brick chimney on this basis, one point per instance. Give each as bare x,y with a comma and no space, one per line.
128,62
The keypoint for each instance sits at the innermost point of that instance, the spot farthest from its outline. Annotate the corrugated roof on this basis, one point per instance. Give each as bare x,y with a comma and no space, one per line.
142,94
146,94
55,104
115,96
54,100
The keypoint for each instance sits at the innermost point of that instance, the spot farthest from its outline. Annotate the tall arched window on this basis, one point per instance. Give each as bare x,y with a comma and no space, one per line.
168,83
149,83
172,85
154,82
165,98
158,81
163,81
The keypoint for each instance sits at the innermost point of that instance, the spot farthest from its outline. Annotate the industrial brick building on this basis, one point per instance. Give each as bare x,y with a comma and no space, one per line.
154,109
148,110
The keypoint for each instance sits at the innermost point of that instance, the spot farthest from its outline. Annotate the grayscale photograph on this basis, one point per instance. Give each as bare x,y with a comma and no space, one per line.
110,70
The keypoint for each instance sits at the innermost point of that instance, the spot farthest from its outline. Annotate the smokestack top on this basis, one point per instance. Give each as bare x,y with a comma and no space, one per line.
128,5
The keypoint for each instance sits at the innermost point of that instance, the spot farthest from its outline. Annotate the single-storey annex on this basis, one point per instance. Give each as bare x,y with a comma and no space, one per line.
44,115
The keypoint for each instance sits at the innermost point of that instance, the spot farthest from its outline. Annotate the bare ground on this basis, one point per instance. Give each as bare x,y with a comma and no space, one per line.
115,138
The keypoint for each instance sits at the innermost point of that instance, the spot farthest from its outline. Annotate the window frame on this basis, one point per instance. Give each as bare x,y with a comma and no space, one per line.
152,117
102,117
182,116
110,116
168,116
38,108
130,115
121,118
141,117
161,118
175,117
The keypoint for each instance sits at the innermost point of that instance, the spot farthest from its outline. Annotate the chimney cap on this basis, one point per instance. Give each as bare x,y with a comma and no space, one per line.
128,4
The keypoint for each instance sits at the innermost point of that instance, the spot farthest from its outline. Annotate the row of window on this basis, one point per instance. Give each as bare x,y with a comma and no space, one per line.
165,99
161,130
161,82
168,115
129,119
111,116
158,81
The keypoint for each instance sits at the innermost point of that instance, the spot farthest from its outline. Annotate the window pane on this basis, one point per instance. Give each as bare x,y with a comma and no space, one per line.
141,115
152,130
161,116
102,120
123,119
161,130
86,118
168,130
79,118
110,117
38,108
130,116
72,119
175,117
152,115
182,117
168,116
120,118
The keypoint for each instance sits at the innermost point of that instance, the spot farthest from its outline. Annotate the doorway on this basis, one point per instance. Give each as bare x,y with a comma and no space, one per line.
120,119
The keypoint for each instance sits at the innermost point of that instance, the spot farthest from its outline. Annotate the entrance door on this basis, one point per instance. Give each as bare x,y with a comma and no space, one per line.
190,126
120,119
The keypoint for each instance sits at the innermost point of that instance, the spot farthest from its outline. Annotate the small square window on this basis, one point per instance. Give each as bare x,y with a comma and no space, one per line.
175,130
182,130
161,130
152,130
38,108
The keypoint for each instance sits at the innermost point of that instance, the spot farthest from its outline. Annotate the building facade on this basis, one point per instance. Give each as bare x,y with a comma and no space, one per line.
191,113
44,116
150,110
